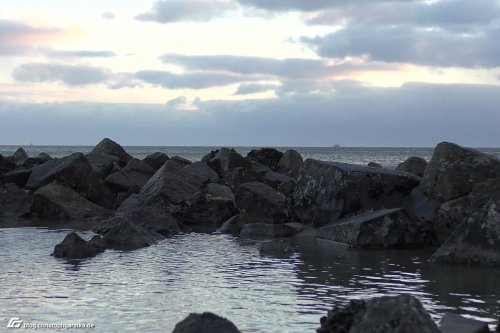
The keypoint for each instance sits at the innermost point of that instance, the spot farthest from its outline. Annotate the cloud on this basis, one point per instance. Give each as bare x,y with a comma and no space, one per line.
192,80
170,11
71,75
108,16
351,115
253,88
52,53
284,68
406,44
18,37
306,6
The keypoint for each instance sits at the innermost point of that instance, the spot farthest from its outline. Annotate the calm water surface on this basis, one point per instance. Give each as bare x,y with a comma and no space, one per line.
153,288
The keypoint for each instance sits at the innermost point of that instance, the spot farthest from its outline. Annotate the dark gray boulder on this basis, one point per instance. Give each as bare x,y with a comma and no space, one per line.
75,247
414,164
225,160
388,228
454,171
75,172
275,247
241,175
30,162
134,175
476,240
127,236
388,314
260,168
220,191
107,157
420,206
18,176
19,157
326,191
268,231
266,156
173,183
454,323
234,225
14,202
290,163
55,201
6,165
263,202
44,156
206,322
373,165
454,212
181,160
156,160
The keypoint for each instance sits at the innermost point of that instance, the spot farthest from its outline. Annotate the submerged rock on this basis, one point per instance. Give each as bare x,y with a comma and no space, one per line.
275,247
454,171
206,322
326,191
264,230
75,247
126,236
388,314
290,163
388,228
415,165
453,323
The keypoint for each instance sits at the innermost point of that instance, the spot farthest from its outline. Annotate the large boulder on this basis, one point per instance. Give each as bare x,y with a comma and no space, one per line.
206,322
19,157
414,164
55,201
134,175
156,160
75,172
267,231
388,228
234,225
6,165
454,171
420,206
454,212
107,157
263,202
18,176
242,175
225,160
14,202
326,191
173,183
290,163
476,240
266,156
388,314
454,323
75,247
219,191
127,236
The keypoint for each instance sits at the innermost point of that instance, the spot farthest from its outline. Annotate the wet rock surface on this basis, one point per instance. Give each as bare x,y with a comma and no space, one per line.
75,247
414,164
206,322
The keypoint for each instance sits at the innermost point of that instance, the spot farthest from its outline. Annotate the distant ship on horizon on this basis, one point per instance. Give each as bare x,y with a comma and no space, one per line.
336,145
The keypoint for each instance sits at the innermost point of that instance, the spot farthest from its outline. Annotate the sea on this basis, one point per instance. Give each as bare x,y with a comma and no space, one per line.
151,289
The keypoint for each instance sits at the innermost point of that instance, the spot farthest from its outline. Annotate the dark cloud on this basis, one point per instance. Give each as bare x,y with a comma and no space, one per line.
186,10
307,6
71,75
407,44
285,68
253,88
352,115
191,80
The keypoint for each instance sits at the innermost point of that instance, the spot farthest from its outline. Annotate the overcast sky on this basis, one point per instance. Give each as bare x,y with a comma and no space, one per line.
250,72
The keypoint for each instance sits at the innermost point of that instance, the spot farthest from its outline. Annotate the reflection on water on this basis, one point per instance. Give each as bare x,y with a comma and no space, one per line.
152,289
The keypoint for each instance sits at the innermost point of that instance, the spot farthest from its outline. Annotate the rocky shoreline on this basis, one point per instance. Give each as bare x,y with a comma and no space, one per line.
452,202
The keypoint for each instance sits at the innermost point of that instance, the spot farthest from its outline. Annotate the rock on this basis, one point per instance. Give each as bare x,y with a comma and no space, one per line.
454,171
277,178
234,225
453,323
75,172
6,165
135,174
173,183
287,188
290,163
14,202
264,230
181,160
18,176
201,169
30,162
220,191
388,314
126,236
75,247
225,160
263,202
156,160
44,156
326,191
420,206
454,212
205,213
55,201
374,165
260,168
388,228
266,156
239,176
275,247
414,165
205,323
19,156
476,240
107,157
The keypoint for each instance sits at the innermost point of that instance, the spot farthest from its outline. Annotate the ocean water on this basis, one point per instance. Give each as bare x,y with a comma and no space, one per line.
152,289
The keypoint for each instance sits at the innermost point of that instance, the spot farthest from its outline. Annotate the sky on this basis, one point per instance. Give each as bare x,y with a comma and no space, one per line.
250,72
